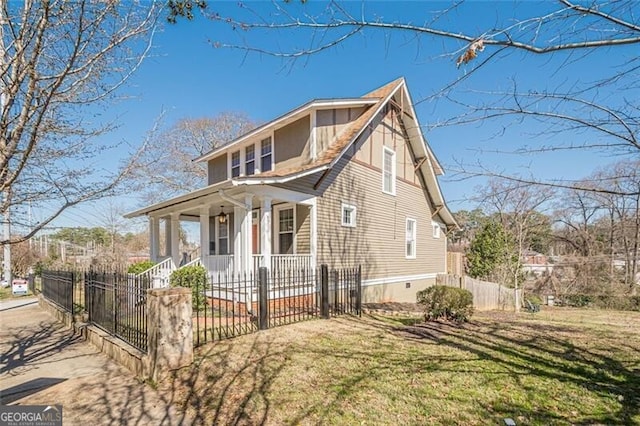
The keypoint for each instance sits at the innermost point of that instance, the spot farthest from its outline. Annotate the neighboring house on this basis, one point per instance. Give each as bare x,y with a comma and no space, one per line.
535,263
344,182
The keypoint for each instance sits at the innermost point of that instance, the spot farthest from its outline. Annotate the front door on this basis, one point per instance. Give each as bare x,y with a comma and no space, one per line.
255,231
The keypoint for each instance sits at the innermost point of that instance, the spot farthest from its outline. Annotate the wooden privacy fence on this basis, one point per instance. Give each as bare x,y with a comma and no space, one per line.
486,295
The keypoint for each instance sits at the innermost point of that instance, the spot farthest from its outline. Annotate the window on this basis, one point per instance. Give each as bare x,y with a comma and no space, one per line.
436,230
348,215
235,164
265,155
223,237
250,160
388,171
411,239
285,231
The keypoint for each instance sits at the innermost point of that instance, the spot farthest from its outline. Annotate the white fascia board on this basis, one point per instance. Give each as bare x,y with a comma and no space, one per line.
198,193
284,119
436,164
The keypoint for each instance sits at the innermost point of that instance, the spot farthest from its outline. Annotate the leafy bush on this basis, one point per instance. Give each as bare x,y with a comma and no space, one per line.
454,304
140,267
195,278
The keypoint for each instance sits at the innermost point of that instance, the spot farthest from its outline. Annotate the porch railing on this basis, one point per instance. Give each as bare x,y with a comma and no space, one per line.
283,262
219,264
158,275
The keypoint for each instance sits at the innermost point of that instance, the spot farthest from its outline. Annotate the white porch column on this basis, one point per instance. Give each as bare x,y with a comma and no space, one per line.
265,231
314,233
175,238
247,234
204,233
154,238
238,255
167,237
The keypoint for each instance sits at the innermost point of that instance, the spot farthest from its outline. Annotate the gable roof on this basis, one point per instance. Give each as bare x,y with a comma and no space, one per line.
374,101
429,168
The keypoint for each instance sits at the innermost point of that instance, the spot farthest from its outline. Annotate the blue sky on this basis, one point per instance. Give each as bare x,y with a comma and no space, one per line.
187,77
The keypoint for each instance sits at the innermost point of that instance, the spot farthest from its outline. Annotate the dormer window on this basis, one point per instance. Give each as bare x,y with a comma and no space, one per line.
265,155
235,164
250,160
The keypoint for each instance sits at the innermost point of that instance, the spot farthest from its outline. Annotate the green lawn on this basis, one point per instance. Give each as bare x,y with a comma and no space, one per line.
560,366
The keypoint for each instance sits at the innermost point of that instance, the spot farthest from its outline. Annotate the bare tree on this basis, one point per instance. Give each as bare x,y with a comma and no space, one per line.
57,59
518,208
166,167
599,233
588,111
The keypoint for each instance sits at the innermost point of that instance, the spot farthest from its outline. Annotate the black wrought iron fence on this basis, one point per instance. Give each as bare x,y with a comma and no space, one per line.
344,290
58,287
232,305
225,306
117,303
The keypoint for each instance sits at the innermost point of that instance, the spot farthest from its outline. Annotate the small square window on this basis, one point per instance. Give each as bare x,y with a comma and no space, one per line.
348,215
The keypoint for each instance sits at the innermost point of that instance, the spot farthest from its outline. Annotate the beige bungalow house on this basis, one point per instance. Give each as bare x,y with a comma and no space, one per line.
342,182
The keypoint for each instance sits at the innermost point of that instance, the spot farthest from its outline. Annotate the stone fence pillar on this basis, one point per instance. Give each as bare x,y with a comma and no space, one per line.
170,330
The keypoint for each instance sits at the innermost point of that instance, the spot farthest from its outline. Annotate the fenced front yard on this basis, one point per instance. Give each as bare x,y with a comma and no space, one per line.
560,366
226,306
230,306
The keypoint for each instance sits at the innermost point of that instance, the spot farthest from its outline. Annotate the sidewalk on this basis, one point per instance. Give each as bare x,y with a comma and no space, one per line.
44,363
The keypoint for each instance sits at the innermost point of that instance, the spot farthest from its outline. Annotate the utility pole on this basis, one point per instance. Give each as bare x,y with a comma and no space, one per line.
6,193
6,230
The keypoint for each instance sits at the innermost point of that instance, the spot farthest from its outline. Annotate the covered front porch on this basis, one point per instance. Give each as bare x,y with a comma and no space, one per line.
240,229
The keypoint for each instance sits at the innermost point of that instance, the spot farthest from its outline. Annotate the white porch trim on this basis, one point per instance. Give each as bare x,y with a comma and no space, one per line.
154,238
265,230
175,238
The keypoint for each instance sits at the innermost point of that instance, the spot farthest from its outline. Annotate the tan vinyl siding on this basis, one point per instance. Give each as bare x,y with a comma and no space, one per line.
378,240
303,229
291,147
330,122
217,169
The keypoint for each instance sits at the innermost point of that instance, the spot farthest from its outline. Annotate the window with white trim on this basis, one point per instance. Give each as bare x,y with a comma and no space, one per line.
250,160
388,171
266,150
410,250
235,164
285,231
348,215
223,237
436,230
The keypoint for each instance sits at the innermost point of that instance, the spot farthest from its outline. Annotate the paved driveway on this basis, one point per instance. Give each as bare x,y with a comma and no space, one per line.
44,363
